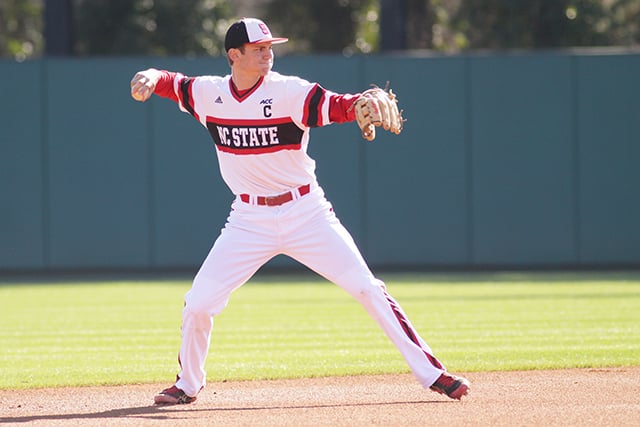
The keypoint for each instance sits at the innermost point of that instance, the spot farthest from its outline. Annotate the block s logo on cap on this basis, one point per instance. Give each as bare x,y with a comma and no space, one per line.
264,29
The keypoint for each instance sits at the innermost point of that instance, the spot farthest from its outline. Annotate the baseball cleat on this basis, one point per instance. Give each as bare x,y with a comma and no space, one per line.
173,396
452,386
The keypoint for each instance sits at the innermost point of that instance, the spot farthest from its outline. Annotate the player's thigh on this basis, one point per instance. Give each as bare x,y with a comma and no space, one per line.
327,248
235,256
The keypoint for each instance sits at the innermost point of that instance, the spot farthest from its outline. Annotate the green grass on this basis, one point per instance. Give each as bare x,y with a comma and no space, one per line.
118,332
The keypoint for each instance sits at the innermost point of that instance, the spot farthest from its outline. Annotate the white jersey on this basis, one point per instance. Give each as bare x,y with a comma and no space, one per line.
261,137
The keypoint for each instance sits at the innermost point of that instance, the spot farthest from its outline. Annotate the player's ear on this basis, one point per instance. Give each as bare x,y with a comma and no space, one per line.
233,55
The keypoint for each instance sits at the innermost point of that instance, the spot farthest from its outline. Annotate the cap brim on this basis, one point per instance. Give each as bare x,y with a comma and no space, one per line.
272,40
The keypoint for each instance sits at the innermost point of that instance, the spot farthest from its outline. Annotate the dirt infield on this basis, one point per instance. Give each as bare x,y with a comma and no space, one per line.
584,397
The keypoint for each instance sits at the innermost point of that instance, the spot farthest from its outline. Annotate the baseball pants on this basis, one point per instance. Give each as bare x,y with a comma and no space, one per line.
307,230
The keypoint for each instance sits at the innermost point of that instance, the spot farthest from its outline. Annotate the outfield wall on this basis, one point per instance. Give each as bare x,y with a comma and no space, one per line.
507,160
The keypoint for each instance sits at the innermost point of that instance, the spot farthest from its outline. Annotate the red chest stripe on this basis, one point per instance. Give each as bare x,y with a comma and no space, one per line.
254,136
250,122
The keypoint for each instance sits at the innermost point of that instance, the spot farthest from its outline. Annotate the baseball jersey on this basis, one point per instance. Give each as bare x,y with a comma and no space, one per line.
261,135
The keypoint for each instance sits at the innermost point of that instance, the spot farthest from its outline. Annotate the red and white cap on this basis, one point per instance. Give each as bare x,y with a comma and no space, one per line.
251,31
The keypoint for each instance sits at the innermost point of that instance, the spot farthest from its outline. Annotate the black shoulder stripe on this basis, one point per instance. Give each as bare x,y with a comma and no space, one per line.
185,91
314,105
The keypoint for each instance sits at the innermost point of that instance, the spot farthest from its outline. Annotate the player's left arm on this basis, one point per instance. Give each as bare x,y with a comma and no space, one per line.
371,108
341,107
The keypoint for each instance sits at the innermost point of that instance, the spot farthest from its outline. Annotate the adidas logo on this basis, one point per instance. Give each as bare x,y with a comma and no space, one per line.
218,100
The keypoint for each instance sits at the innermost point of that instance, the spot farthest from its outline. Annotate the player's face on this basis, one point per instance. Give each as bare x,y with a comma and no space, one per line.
257,58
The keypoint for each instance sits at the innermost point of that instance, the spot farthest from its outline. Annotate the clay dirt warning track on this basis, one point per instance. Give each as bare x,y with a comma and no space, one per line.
580,397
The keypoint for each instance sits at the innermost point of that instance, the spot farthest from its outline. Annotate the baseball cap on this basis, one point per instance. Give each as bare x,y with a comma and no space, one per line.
249,30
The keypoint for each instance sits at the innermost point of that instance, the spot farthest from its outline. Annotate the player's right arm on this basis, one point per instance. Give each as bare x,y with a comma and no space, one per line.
146,83
167,84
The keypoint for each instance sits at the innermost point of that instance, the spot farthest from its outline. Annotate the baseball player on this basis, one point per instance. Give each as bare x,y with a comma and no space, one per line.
260,122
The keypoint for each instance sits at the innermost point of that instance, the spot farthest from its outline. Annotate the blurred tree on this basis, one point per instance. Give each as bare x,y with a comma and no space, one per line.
156,27
420,23
197,27
625,22
21,26
499,24
58,28
325,25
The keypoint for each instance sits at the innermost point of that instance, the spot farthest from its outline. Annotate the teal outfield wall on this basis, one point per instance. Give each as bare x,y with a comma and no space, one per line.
506,161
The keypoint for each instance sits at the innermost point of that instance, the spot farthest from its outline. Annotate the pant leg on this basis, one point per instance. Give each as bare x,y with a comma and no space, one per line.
383,308
235,256
323,244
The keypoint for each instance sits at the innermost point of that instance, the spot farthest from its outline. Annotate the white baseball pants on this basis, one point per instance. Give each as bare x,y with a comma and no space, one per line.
307,230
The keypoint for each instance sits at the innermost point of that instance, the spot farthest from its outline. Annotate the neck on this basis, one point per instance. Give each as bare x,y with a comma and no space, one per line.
244,81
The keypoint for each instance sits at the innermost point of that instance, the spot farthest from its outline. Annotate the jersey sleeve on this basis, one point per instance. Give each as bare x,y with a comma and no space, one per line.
184,90
178,88
315,111
164,87
341,107
323,107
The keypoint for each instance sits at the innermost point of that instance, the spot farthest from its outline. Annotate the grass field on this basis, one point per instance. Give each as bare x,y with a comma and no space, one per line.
119,332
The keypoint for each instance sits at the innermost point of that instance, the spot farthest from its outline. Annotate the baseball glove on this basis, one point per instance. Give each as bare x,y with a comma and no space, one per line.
378,107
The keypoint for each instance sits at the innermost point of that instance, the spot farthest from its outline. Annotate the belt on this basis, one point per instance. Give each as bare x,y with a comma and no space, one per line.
278,200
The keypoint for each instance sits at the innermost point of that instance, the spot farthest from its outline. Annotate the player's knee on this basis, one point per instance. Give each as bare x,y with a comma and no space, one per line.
204,306
375,288
361,284
195,309
195,316
196,320
368,291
